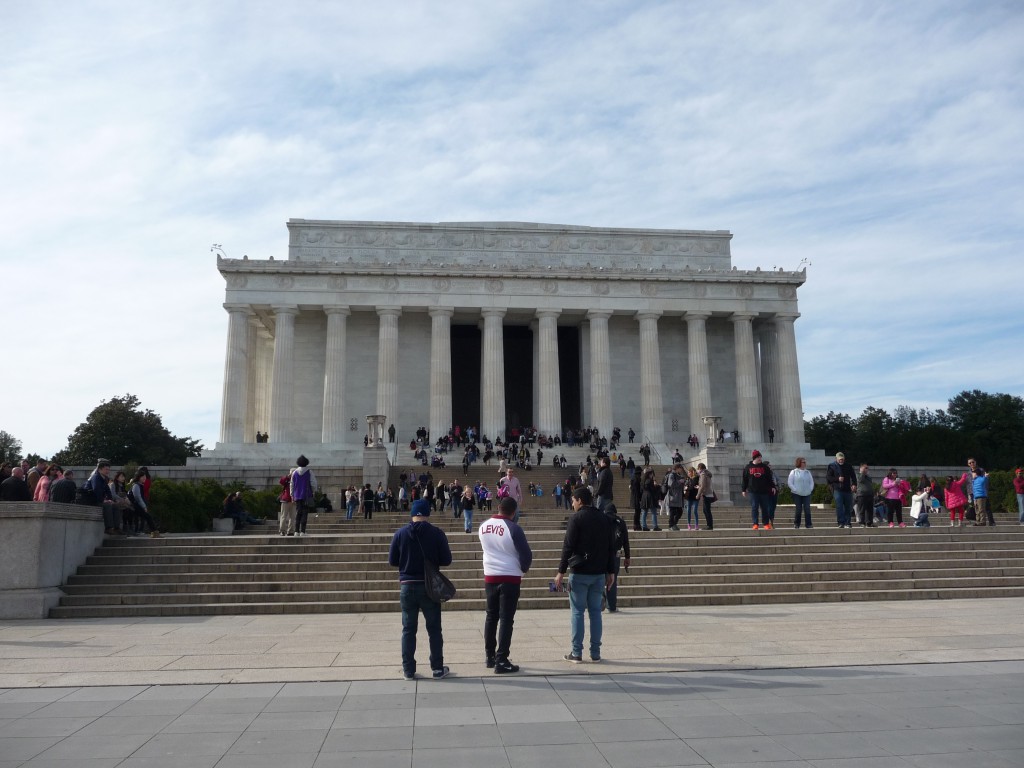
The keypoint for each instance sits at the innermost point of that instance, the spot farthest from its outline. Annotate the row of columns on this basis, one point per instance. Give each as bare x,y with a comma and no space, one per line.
774,374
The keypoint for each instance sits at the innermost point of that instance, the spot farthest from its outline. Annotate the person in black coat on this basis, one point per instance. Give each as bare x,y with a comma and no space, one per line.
14,488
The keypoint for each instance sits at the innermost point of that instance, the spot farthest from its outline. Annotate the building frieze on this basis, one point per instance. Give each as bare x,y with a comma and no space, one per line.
338,274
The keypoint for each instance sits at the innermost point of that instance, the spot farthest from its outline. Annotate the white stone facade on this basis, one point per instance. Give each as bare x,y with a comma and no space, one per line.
358,320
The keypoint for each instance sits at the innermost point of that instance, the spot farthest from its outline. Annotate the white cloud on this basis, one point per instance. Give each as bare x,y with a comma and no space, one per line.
881,141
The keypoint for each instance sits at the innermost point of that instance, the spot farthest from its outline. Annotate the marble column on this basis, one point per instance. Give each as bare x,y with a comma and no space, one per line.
492,386
441,371
768,358
387,365
282,383
699,369
236,375
600,372
791,409
535,386
252,353
651,409
264,376
550,394
334,375
748,402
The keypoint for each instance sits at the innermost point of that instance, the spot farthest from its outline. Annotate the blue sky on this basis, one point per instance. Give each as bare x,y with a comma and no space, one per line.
883,142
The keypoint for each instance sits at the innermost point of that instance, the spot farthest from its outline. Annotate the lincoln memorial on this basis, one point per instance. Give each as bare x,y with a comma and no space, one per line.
503,324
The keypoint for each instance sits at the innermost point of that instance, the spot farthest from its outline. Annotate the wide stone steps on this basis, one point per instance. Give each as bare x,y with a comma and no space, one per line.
383,591
649,576
654,572
269,574
390,604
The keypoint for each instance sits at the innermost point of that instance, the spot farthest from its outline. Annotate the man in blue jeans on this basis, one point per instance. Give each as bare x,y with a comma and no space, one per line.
409,546
758,485
589,549
841,478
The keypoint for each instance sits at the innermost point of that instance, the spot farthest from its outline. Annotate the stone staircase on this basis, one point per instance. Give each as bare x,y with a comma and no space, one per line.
342,567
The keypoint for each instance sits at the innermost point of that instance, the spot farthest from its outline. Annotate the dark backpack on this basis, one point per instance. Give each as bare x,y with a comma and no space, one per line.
86,495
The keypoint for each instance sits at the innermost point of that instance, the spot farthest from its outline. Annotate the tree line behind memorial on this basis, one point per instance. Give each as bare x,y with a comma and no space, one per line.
989,427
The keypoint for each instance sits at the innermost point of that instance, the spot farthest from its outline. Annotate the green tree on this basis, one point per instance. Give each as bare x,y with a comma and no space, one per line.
992,426
874,430
10,447
120,431
832,432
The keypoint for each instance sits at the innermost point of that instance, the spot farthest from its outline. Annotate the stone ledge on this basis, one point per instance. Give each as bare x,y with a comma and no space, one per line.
41,545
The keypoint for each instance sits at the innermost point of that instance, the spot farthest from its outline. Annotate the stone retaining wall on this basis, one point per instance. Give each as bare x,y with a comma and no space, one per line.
41,545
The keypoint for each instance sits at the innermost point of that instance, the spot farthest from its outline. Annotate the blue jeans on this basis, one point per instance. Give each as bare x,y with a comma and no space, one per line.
602,502
413,599
692,511
803,504
350,509
1020,508
844,507
467,519
654,513
759,501
585,593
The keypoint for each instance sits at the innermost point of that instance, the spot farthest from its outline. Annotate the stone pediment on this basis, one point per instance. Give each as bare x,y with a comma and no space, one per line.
506,245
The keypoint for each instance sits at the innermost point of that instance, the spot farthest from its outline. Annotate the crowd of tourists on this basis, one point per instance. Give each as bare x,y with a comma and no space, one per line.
859,501
125,503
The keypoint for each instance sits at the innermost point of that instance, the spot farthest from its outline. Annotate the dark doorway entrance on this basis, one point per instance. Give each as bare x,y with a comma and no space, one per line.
466,351
518,342
569,375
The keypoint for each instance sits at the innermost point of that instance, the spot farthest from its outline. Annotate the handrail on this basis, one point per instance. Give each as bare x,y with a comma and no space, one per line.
393,460
645,440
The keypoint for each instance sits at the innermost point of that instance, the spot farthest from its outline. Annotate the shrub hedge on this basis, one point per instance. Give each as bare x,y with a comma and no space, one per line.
182,507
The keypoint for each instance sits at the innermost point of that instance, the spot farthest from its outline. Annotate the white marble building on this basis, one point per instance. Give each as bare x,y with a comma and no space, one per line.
497,324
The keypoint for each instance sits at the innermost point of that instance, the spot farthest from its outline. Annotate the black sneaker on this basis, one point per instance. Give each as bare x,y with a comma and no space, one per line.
595,659
440,674
505,668
573,658
408,675
490,662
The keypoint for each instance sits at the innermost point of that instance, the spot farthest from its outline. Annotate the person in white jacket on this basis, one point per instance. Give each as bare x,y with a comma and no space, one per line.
801,484
507,556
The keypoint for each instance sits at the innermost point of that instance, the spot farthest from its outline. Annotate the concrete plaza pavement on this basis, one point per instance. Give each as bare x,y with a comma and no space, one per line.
879,684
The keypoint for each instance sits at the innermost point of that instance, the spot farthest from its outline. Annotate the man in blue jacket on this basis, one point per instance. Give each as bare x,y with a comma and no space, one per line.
409,546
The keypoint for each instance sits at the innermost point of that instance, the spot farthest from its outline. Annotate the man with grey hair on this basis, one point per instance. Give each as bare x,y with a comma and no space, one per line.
843,481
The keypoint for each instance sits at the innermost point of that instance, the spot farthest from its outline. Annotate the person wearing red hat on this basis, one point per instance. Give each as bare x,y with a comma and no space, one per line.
757,486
